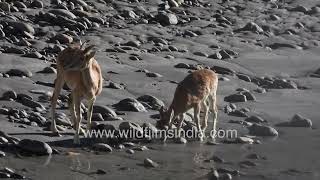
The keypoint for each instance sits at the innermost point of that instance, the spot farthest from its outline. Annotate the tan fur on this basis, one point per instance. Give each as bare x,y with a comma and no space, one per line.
193,92
81,72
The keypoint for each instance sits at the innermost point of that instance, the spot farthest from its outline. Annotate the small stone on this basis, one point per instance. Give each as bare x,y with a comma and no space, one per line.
19,72
255,119
102,147
97,117
152,74
2,154
152,101
201,54
130,104
235,98
249,96
297,121
167,19
35,147
253,27
37,4
31,103
130,151
149,163
247,164
213,175
244,140
182,65
63,38
226,176
9,95
181,140
262,130
216,55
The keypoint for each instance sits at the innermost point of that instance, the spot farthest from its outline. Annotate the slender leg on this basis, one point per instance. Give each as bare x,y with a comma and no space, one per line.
57,88
205,118
197,109
72,111
76,101
89,112
214,113
181,118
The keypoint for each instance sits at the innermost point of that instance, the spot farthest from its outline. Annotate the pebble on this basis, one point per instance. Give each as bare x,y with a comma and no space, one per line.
297,121
9,95
255,119
235,98
130,104
152,101
166,19
35,147
102,147
262,130
19,72
149,163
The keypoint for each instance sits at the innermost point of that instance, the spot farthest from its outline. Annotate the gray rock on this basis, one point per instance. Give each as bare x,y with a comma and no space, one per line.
253,27
152,101
35,147
105,111
19,72
244,140
149,163
201,54
62,119
181,140
30,103
151,129
182,65
244,77
297,121
249,96
300,9
9,95
4,111
63,38
102,147
130,104
166,19
131,126
63,12
153,74
216,55
238,113
2,154
213,175
130,151
235,98
222,70
5,6
97,117
226,176
49,70
38,118
33,55
262,130
22,27
37,4
255,119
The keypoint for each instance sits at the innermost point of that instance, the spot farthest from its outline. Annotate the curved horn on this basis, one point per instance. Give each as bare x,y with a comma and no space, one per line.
85,51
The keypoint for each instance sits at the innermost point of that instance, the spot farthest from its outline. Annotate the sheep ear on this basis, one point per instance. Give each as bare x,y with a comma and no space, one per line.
87,49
